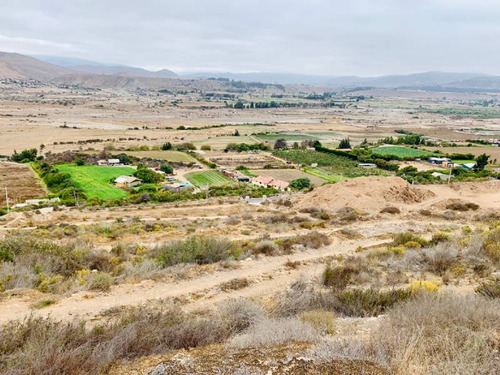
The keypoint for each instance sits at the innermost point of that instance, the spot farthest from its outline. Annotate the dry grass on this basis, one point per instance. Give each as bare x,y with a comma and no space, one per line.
274,332
323,321
443,334
45,346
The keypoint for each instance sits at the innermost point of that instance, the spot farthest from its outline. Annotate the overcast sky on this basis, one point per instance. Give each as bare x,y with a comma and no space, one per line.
323,37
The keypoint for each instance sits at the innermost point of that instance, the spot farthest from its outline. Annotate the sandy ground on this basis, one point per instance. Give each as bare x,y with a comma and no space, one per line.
371,194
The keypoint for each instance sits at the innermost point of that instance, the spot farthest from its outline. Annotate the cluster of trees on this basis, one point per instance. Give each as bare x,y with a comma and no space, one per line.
147,175
242,147
407,139
271,104
301,183
26,156
361,155
344,143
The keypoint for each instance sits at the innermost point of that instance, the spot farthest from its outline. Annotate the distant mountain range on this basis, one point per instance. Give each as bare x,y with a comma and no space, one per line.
67,70
426,81
93,67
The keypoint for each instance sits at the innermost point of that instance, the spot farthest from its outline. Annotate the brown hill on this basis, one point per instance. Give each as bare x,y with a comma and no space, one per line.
126,71
17,66
364,194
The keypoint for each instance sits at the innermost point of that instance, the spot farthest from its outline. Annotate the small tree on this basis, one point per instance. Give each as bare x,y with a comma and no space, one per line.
147,175
25,156
166,146
205,148
481,162
345,143
80,162
239,105
167,168
280,144
236,133
300,183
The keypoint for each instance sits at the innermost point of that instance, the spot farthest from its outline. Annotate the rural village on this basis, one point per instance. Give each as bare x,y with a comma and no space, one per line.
288,198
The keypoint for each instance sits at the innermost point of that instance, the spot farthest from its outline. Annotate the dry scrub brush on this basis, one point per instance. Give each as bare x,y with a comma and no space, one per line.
441,334
45,346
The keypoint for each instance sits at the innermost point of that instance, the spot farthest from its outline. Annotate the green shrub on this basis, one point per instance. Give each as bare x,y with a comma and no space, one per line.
402,238
338,278
100,281
370,302
200,250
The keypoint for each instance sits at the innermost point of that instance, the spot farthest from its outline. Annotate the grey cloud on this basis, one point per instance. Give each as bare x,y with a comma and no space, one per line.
316,37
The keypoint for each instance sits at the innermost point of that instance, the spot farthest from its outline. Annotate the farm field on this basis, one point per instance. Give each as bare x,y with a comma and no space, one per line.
249,160
220,143
95,181
289,175
402,152
463,161
330,164
287,136
494,152
211,178
21,182
324,174
173,156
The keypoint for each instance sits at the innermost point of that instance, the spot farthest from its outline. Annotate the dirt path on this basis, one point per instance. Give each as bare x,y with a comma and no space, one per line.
267,275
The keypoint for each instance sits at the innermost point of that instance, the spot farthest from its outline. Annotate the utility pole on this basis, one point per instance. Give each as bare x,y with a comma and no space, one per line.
7,199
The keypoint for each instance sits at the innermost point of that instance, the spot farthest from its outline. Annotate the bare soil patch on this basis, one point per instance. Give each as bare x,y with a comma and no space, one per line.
289,175
21,183
365,194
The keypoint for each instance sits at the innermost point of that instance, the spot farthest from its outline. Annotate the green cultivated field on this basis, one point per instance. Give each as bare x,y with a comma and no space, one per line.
95,181
463,161
211,178
402,152
324,174
330,166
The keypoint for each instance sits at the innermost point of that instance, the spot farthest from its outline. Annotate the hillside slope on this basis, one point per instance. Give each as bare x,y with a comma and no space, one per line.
17,66
126,71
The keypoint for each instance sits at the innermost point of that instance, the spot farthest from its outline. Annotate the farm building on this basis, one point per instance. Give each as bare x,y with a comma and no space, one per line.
367,165
178,187
439,161
127,181
468,166
108,162
271,182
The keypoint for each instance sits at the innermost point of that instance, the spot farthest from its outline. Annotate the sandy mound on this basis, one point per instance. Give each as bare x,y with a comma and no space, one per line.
364,194
474,188
449,203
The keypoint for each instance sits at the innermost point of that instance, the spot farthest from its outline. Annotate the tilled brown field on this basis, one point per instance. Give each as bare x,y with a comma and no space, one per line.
21,183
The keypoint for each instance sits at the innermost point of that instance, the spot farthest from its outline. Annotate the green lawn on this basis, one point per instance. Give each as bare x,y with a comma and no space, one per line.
402,152
95,181
211,178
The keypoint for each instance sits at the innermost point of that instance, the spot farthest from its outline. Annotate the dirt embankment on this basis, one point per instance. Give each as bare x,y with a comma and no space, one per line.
216,359
365,194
